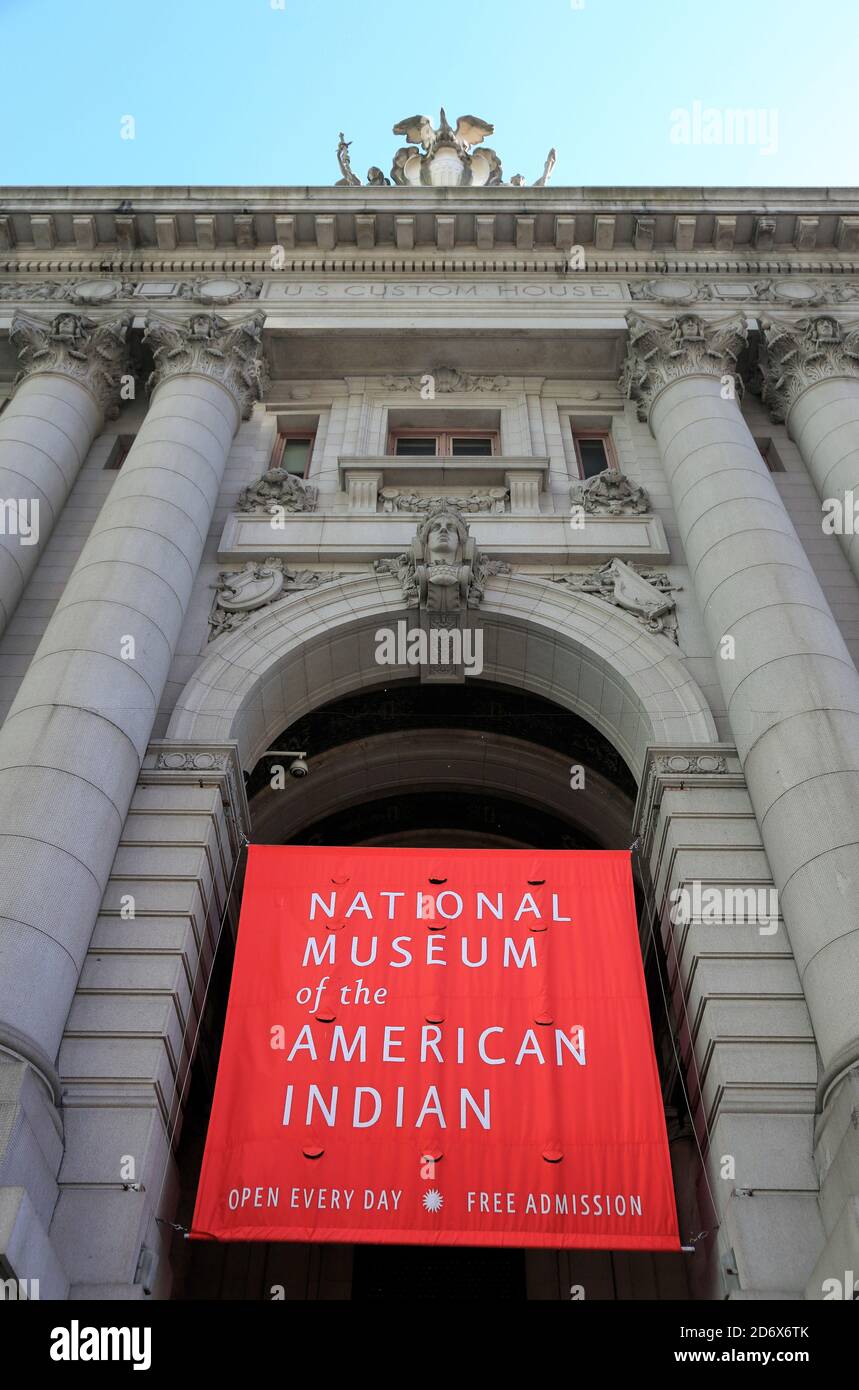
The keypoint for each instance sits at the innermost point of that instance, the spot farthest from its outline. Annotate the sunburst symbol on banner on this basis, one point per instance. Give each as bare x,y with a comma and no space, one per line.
433,1200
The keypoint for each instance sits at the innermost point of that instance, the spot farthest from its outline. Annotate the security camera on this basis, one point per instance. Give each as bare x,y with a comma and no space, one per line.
298,766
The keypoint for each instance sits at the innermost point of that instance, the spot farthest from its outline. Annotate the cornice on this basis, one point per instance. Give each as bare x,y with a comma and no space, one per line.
645,220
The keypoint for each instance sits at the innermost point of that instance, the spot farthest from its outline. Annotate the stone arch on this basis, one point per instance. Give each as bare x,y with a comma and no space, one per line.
453,761
572,648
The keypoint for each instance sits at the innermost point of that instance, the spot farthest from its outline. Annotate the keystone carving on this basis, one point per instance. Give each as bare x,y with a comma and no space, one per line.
797,355
661,352
278,490
208,345
444,572
644,593
239,593
92,354
610,494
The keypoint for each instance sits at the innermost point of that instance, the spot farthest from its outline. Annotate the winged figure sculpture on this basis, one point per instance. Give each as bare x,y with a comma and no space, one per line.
419,130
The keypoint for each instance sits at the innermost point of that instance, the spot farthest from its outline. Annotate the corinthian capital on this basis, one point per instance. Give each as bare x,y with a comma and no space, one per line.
208,345
93,354
797,355
662,351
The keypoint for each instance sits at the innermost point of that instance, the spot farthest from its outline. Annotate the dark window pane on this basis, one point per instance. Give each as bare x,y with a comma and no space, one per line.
474,446
412,447
593,455
295,456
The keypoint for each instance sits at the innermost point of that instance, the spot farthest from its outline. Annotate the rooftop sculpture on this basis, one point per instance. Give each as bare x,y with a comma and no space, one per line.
440,157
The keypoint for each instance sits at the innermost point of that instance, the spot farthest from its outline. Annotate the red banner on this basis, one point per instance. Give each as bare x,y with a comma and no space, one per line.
438,1047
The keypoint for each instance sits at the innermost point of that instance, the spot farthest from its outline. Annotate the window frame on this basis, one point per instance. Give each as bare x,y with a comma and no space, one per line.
444,442
120,449
283,438
608,445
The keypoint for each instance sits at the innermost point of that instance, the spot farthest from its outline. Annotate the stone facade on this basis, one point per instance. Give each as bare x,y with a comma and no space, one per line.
164,623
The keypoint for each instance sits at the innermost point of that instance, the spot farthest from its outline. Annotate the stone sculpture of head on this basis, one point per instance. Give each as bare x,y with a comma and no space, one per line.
443,538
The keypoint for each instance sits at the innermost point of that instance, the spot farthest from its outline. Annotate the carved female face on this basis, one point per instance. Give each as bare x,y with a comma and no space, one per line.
443,540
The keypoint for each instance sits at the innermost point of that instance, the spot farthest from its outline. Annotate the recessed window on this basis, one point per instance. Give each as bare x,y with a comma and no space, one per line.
292,452
594,452
769,454
119,452
443,444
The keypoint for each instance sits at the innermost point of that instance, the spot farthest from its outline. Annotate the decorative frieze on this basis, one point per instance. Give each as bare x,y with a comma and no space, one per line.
663,352
610,494
493,500
208,345
216,290
443,381
793,293
91,353
645,594
797,355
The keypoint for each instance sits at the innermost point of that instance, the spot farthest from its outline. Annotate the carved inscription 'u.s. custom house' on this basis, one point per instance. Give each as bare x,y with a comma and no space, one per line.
430,289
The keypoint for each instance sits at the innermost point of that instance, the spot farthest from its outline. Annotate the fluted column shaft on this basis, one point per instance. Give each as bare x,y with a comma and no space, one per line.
66,386
72,744
811,381
792,690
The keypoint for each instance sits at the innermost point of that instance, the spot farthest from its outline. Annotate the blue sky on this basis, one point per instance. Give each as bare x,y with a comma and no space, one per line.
244,92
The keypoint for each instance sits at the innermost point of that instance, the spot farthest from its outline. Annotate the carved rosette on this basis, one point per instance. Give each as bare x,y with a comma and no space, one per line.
797,355
208,345
93,354
664,351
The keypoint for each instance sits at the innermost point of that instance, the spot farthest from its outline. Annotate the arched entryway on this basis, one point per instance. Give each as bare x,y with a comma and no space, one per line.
542,751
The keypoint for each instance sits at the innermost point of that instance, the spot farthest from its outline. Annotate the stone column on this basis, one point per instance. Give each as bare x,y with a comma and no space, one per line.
66,386
791,688
72,744
811,381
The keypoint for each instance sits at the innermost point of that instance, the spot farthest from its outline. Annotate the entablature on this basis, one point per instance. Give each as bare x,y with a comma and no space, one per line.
145,225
